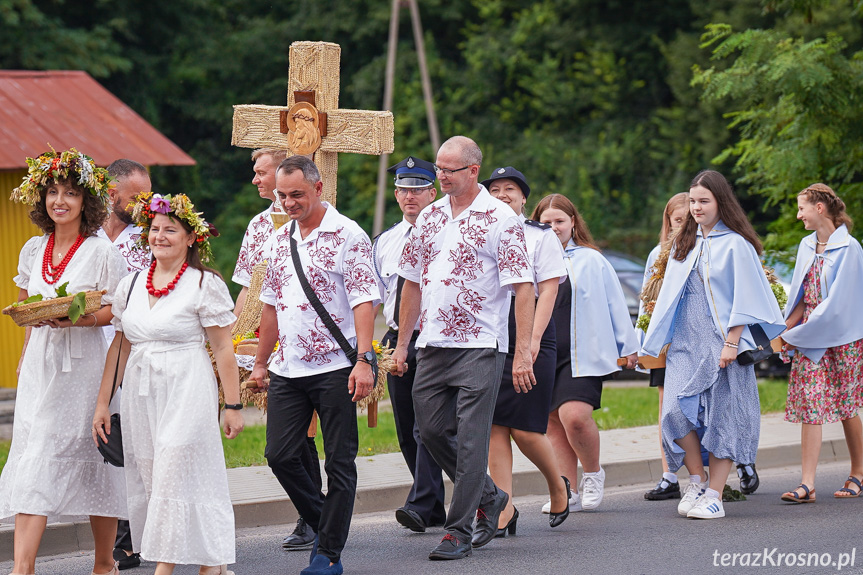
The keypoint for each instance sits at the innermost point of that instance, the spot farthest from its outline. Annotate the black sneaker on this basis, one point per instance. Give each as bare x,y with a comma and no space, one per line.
303,537
664,490
749,482
126,561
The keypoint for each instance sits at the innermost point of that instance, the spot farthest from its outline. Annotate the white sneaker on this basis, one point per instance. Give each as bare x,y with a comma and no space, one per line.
691,495
592,489
574,503
707,507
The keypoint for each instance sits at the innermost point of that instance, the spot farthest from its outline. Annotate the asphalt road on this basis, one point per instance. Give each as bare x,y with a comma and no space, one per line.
628,535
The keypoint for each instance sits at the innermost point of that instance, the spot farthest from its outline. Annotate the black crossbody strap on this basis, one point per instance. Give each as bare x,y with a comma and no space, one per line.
122,336
350,352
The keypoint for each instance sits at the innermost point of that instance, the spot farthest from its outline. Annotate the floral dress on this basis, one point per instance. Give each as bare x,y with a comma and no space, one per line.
830,390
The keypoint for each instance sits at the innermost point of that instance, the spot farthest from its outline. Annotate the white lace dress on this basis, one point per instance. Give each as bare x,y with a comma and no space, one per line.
54,469
179,505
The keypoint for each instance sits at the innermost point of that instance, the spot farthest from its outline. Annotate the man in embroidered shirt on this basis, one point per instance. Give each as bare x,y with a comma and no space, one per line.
130,179
259,230
414,191
260,227
465,254
310,371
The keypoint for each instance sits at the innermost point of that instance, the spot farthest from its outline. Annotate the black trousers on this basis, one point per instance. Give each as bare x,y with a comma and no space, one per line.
291,402
426,496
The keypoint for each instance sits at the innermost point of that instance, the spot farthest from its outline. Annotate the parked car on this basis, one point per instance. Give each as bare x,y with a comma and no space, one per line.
630,273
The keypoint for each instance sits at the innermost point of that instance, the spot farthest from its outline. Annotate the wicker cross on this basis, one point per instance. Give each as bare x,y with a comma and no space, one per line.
312,123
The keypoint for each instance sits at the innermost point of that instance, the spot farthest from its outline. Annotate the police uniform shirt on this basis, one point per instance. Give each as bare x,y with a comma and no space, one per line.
387,251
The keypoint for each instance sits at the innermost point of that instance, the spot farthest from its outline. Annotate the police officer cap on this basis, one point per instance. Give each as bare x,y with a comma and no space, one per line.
413,173
509,173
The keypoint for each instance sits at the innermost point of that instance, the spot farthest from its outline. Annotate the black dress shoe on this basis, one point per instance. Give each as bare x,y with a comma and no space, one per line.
555,519
410,519
450,548
748,481
126,561
487,519
509,527
303,537
664,490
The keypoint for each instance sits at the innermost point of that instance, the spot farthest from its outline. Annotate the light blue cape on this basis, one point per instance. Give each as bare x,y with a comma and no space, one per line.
838,319
736,286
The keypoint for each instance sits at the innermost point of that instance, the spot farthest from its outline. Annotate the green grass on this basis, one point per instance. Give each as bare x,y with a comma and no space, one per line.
248,448
621,407
636,406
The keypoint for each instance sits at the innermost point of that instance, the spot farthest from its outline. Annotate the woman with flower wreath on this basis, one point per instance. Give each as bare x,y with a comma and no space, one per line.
53,472
825,336
180,509
714,289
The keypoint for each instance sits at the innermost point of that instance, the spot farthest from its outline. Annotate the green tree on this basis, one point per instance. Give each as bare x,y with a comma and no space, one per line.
797,113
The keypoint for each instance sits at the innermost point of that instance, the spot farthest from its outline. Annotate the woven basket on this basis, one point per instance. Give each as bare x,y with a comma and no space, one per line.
56,308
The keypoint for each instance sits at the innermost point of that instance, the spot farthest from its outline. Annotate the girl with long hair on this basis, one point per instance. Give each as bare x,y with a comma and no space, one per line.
714,289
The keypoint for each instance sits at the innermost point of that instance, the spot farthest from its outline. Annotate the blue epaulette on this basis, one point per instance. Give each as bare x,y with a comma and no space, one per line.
537,224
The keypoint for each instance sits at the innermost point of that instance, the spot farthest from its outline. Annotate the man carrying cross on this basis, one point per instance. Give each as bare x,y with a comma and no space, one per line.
464,255
311,371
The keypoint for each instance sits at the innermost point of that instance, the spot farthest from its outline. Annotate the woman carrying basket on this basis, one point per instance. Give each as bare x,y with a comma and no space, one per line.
179,507
53,472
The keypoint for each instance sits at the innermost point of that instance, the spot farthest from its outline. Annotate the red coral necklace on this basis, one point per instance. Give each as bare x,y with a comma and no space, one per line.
171,284
49,273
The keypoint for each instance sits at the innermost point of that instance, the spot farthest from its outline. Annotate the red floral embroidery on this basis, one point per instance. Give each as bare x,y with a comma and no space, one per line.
511,255
467,264
319,344
460,319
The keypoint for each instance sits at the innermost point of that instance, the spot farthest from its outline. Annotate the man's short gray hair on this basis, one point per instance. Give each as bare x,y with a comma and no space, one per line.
311,174
124,168
470,153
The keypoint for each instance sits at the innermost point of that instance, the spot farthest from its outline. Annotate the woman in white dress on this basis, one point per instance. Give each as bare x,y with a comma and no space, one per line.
53,472
180,509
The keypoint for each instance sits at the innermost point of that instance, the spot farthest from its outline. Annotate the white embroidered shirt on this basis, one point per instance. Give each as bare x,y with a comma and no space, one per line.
337,261
259,230
462,265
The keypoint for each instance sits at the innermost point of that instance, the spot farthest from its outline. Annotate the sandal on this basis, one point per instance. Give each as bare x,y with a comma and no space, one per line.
847,492
794,497
114,571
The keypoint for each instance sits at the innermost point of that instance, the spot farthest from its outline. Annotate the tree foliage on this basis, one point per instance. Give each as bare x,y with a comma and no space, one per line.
797,113
590,98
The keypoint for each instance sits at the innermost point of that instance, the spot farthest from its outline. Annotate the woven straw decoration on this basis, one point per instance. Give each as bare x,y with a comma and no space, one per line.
56,308
315,66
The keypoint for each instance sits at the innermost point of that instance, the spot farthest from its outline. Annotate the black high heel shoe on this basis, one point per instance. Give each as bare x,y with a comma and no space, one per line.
509,527
555,519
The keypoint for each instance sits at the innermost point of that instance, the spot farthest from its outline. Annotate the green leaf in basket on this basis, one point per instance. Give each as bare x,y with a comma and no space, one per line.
61,291
76,308
31,299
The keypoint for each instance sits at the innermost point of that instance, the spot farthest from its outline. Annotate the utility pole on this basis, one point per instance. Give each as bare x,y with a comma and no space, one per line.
389,80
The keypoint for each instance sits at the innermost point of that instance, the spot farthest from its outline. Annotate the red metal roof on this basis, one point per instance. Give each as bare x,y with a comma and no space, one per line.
70,109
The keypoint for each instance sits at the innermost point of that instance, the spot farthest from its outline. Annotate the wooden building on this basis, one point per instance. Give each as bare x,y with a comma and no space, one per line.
61,109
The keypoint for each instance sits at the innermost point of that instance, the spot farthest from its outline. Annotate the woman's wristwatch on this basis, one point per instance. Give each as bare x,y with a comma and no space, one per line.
237,406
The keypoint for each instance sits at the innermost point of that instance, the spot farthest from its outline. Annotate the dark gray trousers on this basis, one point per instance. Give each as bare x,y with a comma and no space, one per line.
454,394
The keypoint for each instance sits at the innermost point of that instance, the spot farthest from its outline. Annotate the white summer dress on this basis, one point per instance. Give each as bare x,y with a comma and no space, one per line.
54,468
179,505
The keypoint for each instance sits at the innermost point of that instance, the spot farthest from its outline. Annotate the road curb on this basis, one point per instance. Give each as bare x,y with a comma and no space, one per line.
75,537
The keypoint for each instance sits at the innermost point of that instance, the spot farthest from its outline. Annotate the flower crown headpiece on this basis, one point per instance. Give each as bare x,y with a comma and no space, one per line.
148,204
53,166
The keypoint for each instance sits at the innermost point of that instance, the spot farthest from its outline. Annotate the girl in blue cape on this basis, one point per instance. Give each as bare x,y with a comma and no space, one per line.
676,212
825,327
593,330
714,289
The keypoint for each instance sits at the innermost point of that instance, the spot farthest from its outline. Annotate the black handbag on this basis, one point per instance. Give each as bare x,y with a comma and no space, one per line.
325,316
763,350
112,450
